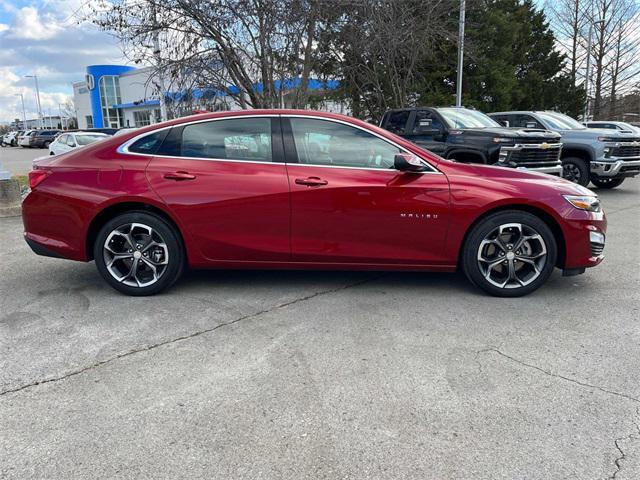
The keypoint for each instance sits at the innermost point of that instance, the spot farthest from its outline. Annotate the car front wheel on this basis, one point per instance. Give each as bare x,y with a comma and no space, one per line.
575,170
139,253
509,254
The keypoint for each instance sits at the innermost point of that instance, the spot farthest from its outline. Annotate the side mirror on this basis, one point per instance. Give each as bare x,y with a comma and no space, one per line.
425,125
408,162
504,123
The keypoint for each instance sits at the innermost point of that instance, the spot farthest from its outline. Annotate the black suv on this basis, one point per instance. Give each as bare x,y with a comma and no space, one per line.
472,137
43,138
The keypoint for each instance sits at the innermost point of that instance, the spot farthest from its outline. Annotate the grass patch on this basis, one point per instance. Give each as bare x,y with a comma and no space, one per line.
23,180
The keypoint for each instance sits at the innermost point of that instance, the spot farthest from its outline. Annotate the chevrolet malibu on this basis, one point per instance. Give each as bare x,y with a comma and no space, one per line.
293,189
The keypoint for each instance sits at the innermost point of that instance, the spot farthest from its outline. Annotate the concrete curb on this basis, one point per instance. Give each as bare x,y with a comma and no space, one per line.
13,211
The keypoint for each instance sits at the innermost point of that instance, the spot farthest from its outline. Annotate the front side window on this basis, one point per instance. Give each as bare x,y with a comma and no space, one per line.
436,124
323,142
234,139
62,139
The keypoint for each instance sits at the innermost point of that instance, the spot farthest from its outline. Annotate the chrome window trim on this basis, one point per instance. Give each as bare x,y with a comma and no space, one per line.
124,148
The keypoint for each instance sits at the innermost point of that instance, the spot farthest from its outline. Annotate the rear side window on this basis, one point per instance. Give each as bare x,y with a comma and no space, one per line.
234,139
396,121
149,144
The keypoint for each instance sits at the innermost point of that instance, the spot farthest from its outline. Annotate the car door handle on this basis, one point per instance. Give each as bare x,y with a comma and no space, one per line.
179,176
311,181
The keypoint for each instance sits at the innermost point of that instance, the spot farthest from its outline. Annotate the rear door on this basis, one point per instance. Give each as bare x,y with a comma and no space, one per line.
348,203
226,181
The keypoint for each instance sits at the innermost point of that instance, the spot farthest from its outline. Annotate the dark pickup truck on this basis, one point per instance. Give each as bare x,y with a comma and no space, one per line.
470,136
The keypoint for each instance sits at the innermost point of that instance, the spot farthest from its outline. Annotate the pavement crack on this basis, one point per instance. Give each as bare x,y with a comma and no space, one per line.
559,376
189,336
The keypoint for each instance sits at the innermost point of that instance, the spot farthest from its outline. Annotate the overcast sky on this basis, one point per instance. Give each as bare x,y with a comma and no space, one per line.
43,37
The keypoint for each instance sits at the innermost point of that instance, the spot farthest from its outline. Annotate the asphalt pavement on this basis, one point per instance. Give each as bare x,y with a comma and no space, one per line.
17,160
321,375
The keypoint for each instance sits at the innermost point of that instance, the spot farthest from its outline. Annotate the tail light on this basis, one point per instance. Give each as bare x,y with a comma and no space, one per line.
36,177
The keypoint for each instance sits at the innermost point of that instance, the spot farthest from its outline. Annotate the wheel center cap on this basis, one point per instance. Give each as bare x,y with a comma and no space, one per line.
510,255
137,255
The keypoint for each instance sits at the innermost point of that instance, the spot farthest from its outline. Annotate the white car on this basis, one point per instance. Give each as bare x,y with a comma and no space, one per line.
9,138
24,140
69,141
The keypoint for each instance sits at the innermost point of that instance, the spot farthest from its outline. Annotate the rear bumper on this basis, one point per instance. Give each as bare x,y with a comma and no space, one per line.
40,249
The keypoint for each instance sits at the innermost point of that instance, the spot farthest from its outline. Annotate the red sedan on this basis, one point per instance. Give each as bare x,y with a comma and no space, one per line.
298,189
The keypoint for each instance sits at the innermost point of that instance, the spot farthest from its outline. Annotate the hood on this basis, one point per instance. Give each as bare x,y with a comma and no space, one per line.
594,133
511,133
504,175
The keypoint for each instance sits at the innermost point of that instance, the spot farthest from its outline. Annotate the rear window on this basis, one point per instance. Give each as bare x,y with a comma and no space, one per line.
148,144
396,121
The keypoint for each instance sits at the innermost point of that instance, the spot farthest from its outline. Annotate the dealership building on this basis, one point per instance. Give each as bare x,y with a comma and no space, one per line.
118,96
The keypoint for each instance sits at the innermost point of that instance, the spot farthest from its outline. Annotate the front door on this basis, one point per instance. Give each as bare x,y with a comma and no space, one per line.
349,205
431,137
227,183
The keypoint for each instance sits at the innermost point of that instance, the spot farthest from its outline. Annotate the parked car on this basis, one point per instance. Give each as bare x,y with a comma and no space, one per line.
25,139
68,141
604,157
301,189
43,138
614,125
9,139
470,136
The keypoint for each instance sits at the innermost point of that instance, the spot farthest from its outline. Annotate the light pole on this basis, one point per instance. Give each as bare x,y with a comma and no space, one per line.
35,77
460,54
62,122
24,115
587,79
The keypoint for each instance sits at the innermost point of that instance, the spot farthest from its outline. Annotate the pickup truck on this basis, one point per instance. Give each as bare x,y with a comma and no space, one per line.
470,136
603,156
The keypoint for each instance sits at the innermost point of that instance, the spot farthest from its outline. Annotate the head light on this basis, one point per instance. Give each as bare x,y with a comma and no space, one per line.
590,203
503,140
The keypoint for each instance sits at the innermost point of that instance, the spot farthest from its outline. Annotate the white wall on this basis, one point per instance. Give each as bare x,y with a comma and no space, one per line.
82,103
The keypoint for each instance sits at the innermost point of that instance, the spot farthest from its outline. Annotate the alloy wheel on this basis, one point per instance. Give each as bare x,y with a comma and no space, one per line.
512,255
571,172
135,254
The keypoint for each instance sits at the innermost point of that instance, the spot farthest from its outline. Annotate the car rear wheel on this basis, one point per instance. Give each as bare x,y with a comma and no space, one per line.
602,182
575,170
509,254
46,144
139,253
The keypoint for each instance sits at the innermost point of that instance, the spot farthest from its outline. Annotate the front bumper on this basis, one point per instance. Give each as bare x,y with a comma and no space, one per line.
584,235
616,167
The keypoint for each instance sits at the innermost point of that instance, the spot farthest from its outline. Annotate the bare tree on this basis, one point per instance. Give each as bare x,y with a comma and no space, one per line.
615,49
569,19
380,48
245,49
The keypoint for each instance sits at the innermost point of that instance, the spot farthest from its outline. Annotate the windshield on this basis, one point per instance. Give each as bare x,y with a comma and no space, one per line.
87,139
464,118
560,121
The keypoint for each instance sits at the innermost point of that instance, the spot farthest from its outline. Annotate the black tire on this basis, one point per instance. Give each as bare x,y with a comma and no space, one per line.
576,170
46,144
603,182
533,276
162,230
